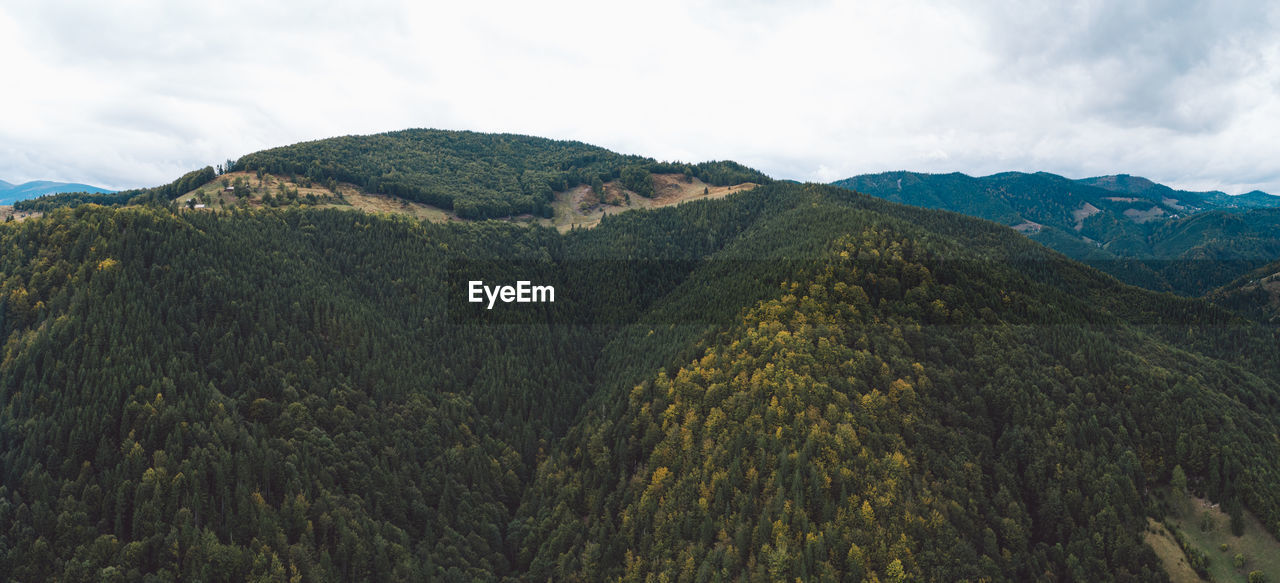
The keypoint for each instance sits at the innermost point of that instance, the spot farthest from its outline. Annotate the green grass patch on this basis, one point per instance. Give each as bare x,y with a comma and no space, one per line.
1174,561
1208,528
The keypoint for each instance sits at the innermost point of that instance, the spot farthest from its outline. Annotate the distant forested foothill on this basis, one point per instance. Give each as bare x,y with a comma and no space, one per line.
159,194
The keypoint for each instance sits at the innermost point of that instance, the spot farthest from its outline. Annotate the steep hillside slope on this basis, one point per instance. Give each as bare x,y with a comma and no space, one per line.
900,409
795,381
1256,293
226,396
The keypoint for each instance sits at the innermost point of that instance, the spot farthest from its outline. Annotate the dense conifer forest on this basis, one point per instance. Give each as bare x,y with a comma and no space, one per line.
797,382
1256,293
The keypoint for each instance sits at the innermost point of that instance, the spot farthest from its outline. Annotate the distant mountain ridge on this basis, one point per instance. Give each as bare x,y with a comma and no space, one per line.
1129,226
1003,195
1155,191
11,193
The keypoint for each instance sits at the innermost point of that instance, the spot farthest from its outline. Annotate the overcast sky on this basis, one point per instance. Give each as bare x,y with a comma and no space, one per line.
134,93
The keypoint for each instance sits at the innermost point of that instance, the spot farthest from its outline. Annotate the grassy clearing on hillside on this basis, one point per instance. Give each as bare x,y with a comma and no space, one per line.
354,197
1171,556
668,189
1261,550
576,207
381,203
7,211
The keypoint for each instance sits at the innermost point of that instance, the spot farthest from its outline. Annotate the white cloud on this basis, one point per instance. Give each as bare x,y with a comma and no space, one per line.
131,94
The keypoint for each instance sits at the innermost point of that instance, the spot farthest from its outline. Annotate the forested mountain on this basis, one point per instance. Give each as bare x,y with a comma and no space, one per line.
473,175
476,175
1144,233
794,382
1256,293
1144,188
11,193
158,194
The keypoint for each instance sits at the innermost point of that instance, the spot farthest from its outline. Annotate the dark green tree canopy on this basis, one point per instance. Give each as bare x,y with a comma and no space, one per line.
794,382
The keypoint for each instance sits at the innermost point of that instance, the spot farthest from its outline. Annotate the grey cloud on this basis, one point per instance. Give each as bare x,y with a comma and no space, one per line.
201,32
1181,92
1162,64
